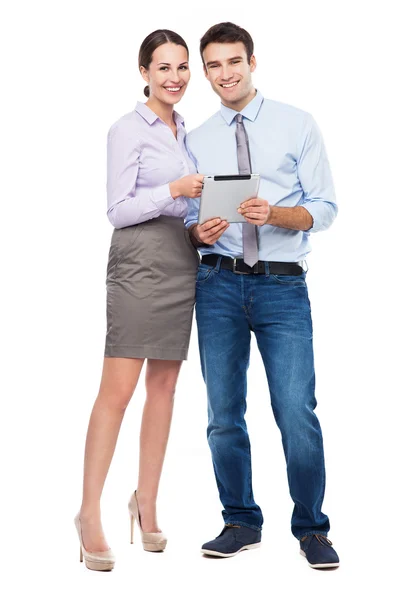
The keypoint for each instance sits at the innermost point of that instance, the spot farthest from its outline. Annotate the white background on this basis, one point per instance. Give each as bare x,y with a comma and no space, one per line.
69,70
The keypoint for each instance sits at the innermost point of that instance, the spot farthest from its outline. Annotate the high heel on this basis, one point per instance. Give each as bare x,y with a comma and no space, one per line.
96,561
152,542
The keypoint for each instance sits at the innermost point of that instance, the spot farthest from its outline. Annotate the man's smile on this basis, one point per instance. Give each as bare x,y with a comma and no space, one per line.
229,85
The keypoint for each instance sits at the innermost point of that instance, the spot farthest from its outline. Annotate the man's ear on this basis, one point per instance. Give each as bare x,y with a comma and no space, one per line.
253,63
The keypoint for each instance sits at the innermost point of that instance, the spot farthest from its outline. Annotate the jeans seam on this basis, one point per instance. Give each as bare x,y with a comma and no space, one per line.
255,527
318,532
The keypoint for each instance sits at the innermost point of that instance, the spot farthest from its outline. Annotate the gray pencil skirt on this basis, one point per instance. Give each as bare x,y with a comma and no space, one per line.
151,281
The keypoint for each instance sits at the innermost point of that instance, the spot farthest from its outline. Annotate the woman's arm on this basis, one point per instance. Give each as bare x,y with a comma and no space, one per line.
128,204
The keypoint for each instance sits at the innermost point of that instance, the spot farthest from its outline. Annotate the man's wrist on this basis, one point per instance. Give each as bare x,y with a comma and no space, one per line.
271,216
194,239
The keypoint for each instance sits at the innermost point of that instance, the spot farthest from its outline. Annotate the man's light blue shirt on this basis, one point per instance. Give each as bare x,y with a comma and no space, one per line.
288,153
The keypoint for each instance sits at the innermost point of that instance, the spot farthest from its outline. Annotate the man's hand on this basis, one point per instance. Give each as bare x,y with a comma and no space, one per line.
208,233
255,211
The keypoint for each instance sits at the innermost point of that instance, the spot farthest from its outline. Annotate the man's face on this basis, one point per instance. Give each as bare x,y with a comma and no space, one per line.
228,71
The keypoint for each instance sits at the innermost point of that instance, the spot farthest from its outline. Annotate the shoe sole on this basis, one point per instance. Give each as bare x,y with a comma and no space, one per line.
320,565
215,553
98,566
155,546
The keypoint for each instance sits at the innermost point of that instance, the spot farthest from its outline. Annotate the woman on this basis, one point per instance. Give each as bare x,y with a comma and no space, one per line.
151,278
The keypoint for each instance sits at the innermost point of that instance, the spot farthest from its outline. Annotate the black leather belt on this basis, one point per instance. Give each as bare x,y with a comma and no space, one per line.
238,266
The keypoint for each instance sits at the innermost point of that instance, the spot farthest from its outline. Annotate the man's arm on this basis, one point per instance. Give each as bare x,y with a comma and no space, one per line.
259,212
318,208
195,241
315,177
290,218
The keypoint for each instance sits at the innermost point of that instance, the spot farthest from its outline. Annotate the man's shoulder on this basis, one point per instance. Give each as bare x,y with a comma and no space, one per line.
205,128
287,110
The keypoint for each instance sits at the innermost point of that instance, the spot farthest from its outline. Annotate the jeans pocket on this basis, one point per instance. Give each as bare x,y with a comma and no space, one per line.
203,273
291,280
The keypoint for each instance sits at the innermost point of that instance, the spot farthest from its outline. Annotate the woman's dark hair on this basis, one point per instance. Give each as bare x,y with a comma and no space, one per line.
154,40
227,33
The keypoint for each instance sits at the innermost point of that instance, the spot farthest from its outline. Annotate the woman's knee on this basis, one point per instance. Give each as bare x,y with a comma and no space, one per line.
164,387
117,398
119,380
161,379
161,376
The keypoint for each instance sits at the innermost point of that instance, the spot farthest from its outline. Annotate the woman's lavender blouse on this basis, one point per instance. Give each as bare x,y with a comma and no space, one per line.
143,157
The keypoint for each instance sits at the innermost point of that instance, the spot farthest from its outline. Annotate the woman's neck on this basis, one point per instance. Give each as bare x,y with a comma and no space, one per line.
162,110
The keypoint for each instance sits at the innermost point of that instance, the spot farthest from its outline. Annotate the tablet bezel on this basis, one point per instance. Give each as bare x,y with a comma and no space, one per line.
214,180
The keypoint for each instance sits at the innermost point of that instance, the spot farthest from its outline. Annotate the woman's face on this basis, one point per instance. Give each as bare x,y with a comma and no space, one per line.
168,73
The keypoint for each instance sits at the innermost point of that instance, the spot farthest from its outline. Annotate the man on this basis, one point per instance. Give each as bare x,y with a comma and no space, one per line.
251,279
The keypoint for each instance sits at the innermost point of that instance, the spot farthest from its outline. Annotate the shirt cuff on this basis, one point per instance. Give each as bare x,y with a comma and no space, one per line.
190,222
161,196
316,210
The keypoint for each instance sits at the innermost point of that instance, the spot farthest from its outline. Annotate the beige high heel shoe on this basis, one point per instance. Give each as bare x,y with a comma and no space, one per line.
152,542
96,561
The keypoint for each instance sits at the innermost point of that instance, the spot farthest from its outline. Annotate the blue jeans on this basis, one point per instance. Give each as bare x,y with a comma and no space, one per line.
277,309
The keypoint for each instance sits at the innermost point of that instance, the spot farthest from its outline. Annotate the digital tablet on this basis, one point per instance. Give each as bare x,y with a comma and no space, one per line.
223,194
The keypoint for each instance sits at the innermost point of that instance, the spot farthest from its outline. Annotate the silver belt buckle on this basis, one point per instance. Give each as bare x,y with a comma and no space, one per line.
234,268
243,272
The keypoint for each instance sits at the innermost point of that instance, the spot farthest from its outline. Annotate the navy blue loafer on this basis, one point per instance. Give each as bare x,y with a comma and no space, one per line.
318,551
232,540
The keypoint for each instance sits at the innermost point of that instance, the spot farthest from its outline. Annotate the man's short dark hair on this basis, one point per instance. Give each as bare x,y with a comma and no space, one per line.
227,33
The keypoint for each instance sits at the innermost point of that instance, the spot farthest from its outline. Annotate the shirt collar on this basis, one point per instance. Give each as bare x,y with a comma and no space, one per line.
250,111
151,117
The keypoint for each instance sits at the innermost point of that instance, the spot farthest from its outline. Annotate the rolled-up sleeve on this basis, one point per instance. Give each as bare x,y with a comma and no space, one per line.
128,204
316,178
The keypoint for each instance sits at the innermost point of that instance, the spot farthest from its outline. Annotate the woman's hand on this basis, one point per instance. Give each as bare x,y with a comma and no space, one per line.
190,186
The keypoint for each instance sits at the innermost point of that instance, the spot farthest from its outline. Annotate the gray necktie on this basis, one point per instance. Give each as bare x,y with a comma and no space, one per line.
249,233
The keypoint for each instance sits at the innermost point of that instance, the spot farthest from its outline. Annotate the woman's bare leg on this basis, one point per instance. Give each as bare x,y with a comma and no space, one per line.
119,380
161,378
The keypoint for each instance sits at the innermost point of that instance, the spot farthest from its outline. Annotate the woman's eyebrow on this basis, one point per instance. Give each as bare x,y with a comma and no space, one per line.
168,64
